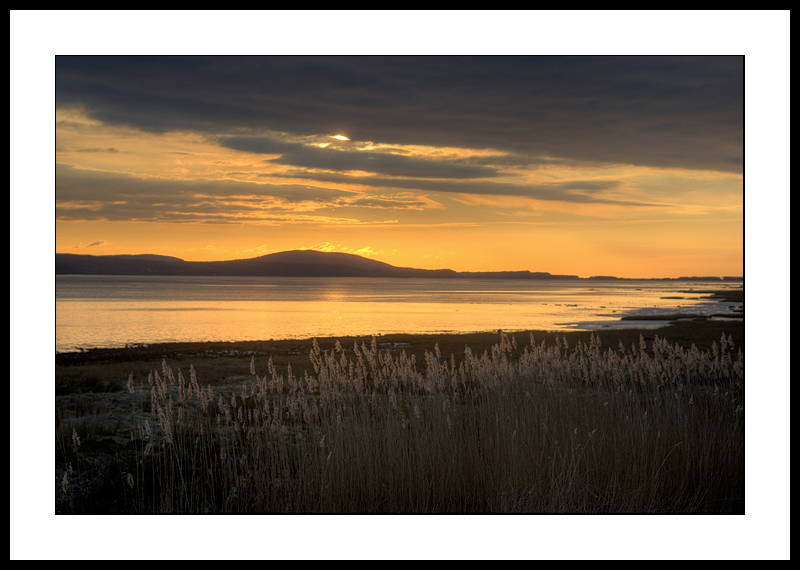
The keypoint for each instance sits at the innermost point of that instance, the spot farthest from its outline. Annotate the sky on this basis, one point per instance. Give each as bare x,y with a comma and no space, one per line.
549,176
584,165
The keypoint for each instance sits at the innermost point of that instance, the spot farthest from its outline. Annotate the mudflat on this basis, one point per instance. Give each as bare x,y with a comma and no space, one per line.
105,370
699,331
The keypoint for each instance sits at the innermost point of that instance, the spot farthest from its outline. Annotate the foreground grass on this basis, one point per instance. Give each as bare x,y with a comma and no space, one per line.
539,427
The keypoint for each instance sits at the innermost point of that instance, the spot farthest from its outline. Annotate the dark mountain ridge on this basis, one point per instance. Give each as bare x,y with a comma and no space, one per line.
296,263
299,263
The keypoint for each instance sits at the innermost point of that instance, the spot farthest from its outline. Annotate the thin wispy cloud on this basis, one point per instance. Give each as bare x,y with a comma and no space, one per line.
582,191
366,251
110,149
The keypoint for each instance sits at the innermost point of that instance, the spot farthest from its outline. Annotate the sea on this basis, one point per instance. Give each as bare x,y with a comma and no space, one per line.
113,311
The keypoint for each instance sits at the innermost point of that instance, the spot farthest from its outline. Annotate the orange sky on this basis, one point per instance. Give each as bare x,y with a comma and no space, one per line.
204,187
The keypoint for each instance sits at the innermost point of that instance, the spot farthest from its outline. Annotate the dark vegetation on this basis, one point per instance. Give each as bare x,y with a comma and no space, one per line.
101,445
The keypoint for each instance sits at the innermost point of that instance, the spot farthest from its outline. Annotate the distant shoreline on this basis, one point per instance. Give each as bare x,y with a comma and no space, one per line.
309,263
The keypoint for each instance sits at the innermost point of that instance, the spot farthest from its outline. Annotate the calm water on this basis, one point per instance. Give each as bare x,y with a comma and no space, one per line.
112,311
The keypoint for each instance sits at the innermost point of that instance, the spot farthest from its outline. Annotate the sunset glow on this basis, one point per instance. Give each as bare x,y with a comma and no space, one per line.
638,184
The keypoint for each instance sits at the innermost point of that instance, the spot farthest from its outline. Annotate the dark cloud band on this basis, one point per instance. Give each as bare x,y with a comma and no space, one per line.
682,112
577,191
311,156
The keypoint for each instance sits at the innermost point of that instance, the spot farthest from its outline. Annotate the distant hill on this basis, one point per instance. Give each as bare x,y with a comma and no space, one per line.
300,263
310,263
297,263
67,263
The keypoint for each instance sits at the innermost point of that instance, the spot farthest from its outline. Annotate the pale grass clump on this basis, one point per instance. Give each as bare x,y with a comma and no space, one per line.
521,428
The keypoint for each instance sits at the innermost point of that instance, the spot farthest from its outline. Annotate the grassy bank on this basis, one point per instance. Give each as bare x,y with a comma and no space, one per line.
622,421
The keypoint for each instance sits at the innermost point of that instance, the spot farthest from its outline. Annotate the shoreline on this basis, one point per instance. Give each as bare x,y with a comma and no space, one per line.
679,320
690,329
701,332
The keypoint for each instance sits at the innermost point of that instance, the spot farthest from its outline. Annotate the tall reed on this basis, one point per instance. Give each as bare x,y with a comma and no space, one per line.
530,428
